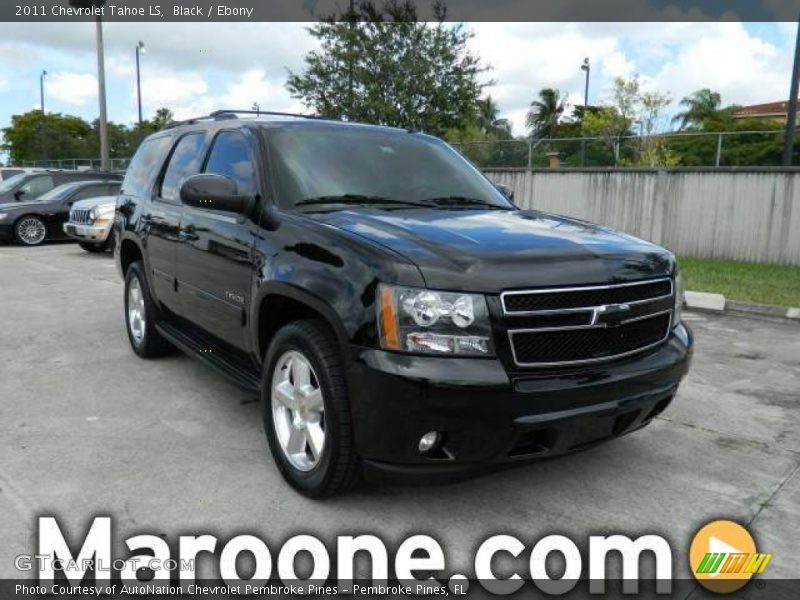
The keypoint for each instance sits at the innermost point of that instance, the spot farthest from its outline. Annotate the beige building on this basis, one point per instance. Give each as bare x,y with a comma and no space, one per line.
775,112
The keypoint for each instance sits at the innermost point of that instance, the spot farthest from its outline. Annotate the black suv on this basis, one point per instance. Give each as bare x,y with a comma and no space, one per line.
398,315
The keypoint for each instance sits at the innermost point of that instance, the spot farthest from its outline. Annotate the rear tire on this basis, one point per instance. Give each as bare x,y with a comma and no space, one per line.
336,467
141,314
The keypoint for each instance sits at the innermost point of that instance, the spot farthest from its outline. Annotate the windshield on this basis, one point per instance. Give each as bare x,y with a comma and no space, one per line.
57,192
9,184
317,165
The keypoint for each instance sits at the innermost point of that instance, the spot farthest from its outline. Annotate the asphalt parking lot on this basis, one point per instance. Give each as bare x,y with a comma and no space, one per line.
167,446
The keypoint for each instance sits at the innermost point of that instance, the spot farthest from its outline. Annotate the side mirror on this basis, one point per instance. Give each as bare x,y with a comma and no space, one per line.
19,194
214,192
505,190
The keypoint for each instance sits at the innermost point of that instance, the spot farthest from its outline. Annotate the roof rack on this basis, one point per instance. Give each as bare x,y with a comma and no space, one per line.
220,115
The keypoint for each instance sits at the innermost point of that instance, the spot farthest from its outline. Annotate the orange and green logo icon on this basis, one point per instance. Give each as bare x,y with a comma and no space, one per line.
723,557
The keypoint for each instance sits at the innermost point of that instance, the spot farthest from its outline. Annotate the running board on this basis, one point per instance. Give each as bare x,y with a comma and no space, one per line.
236,370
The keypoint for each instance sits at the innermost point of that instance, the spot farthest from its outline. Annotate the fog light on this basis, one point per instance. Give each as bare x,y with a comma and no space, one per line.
428,441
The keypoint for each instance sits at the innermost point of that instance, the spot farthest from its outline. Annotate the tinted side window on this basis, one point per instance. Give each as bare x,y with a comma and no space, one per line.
6,173
230,156
37,186
88,192
144,165
185,161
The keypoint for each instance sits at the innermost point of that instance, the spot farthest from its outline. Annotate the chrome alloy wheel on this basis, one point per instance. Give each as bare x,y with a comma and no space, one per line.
136,314
31,231
298,411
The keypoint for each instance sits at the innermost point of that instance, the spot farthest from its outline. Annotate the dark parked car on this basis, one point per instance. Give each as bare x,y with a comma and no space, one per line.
400,316
31,222
30,185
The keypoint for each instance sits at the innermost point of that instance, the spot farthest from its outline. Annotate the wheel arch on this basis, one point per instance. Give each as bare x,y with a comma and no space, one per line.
280,304
129,252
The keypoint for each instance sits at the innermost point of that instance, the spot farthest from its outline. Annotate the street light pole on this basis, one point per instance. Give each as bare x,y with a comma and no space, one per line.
791,117
585,67
139,48
44,118
101,92
101,74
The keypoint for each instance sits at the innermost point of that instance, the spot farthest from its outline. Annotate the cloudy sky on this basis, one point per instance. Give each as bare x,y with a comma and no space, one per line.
193,68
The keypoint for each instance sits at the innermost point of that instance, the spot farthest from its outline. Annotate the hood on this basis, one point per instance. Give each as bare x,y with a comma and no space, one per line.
491,250
99,202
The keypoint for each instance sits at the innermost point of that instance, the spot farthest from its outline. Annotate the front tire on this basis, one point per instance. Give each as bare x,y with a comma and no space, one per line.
307,411
30,230
141,314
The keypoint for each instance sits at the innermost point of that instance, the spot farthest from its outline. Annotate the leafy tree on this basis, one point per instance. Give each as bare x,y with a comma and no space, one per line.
699,106
631,105
66,136
381,65
544,113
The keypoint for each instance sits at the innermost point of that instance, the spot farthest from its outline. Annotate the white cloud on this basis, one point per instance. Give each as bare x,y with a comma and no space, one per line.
167,88
674,57
197,67
743,68
75,89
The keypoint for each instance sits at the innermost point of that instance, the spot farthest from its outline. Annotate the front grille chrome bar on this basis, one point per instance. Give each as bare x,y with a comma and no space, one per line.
550,311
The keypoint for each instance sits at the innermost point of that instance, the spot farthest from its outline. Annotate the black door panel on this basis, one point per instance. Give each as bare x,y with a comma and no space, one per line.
215,273
215,256
161,233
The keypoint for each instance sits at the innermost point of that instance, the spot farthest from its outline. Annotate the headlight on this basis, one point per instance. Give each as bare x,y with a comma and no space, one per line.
103,219
677,310
92,215
3,216
430,322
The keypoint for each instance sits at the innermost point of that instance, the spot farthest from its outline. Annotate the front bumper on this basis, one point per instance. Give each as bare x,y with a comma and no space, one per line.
490,420
97,234
6,231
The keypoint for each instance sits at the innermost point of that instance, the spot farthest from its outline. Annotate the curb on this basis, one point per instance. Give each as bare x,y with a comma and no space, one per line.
718,304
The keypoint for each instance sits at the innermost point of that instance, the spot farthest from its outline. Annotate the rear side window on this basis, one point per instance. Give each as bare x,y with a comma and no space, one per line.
6,173
230,156
38,186
185,161
145,165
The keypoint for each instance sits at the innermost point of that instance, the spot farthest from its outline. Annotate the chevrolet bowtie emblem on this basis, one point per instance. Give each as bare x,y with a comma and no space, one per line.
610,315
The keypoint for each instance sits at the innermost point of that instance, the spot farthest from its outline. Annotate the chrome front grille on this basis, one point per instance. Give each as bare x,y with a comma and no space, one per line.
80,216
576,325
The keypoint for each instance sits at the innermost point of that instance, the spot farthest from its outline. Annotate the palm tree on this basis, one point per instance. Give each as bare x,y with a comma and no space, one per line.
699,106
545,112
487,120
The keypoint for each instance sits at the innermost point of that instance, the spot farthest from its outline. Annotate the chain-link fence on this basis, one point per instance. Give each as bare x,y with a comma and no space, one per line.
691,149
688,149
77,164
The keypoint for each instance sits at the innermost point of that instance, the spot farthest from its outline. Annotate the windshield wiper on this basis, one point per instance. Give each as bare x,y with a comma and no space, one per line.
459,201
356,199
